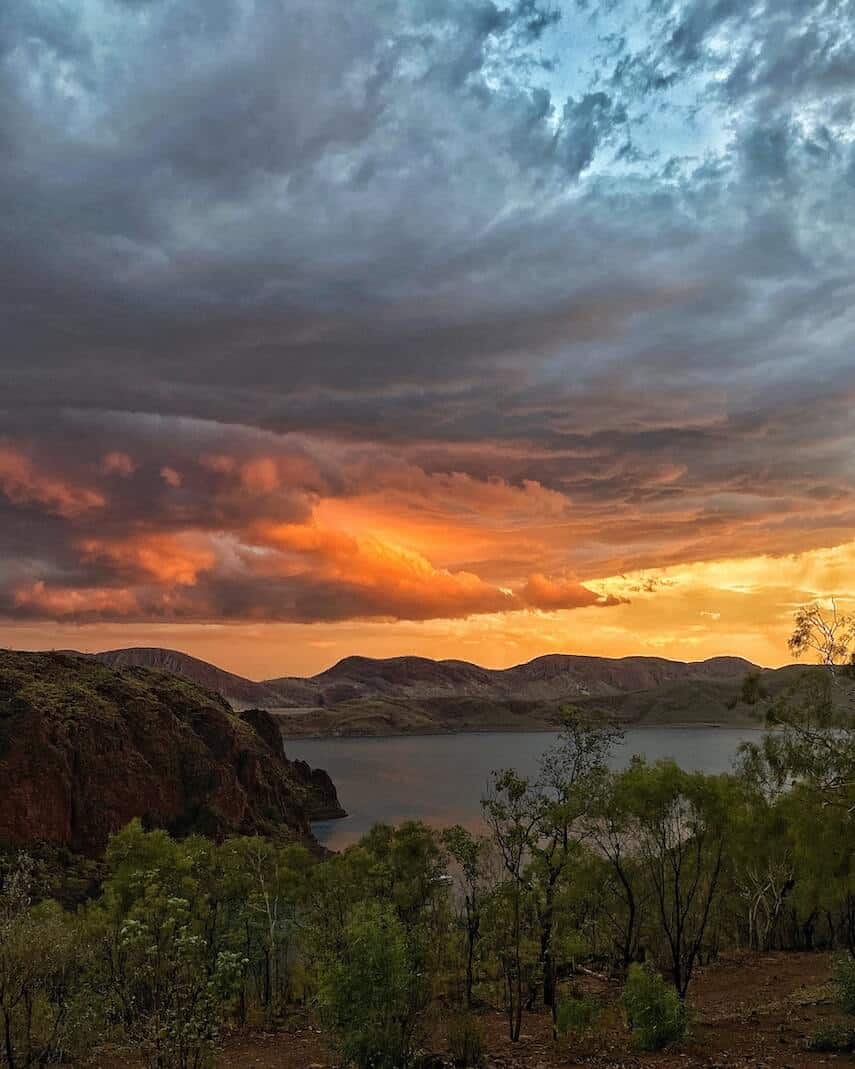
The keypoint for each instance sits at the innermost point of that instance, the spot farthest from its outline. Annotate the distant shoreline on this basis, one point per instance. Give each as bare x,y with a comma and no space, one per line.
531,730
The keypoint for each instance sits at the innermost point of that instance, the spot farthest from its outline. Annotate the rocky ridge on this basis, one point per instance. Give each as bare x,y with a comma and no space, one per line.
85,748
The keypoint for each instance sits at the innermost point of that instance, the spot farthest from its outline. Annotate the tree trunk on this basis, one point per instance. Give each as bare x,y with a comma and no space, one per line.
7,1037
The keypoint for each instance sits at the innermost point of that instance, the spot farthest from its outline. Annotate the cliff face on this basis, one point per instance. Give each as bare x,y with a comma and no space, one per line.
85,748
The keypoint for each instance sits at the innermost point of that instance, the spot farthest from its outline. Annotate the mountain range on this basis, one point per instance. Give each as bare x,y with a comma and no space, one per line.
367,696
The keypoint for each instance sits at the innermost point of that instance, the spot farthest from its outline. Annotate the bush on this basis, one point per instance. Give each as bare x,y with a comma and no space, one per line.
844,983
370,995
466,1041
167,993
577,1016
653,1009
831,1038
47,1007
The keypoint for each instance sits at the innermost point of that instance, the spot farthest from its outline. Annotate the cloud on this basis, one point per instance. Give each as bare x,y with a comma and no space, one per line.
23,485
38,600
484,310
117,463
173,560
541,592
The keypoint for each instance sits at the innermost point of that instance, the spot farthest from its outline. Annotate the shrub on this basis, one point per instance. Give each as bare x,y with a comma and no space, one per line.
829,1037
47,1007
370,995
653,1009
168,995
465,1041
844,983
577,1016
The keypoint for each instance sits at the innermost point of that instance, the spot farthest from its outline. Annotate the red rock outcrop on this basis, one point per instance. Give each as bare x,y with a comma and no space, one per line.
85,748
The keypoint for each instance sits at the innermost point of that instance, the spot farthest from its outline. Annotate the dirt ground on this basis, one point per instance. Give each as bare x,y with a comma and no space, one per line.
754,1011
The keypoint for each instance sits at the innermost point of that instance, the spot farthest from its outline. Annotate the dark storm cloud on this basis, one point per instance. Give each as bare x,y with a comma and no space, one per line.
258,254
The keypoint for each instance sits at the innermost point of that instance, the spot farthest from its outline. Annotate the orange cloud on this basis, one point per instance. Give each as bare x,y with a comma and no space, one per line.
23,484
260,476
218,463
177,560
75,601
566,593
116,463
370,577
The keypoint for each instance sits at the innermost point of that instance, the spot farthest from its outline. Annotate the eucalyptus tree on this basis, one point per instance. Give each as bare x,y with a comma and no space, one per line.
826,632
683,825
512,817
613,830
538,827
469,855
570,776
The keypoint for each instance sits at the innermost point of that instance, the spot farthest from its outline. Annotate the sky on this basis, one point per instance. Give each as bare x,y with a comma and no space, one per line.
464,328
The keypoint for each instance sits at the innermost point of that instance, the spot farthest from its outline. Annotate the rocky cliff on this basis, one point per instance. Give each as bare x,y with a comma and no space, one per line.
84,748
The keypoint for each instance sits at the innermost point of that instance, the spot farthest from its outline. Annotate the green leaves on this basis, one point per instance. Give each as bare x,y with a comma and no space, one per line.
371,994
653,1010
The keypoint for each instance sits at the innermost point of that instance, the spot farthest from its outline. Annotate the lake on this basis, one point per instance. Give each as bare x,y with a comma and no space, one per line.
440,779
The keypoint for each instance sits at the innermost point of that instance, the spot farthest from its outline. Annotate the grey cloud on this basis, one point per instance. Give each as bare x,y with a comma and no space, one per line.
391,225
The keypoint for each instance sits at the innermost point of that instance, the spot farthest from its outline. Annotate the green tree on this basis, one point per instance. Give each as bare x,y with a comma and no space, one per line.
613,829
812,741
762,869
371,995
569,777
512,816
469,854
44,963
167,994
826,632
270,884
682,821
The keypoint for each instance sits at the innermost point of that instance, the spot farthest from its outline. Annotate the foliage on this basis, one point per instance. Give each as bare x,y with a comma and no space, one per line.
577,1015
580,866
469,854
537,829
44,957
828,633
812,742
165,990
752,690
681,824
370,995
653,1010
844,983
831,1037
465,1041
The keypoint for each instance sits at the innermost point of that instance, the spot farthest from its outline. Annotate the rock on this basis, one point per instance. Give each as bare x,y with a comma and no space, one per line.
85,748
321,800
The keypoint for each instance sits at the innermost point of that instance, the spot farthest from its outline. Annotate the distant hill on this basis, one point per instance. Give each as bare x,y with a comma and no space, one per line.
549,678
234,688
364,695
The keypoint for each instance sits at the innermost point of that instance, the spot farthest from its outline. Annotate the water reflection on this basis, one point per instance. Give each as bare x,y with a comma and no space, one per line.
440,779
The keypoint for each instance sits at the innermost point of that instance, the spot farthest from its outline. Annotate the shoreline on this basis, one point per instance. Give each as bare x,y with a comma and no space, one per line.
532,730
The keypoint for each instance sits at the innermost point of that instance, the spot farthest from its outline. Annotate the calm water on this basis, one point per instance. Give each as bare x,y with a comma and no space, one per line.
440,778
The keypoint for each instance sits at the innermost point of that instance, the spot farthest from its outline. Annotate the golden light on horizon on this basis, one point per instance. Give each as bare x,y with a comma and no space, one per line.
731,606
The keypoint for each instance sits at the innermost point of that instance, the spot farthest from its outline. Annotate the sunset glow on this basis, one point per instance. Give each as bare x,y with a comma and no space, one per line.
463,329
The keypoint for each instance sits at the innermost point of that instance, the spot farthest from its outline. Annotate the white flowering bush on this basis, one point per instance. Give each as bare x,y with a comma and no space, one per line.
169,993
